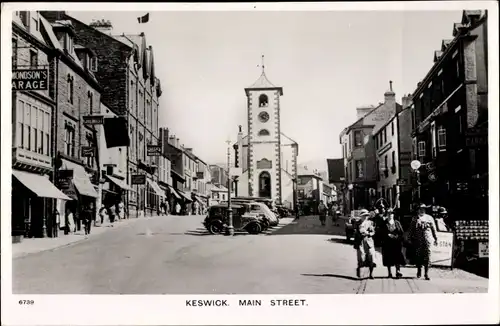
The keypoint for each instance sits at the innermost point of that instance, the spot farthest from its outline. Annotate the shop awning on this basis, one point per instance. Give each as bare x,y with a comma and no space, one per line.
174,192
120,183
184,195
40,185
156,188
81,179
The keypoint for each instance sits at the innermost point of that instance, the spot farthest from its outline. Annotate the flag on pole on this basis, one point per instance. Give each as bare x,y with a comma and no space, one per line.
143,19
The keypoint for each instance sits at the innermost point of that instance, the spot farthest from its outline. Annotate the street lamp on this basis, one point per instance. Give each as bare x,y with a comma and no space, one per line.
415,165
230,228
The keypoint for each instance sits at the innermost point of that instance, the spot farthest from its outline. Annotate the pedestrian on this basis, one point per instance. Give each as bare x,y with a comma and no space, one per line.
111,214
392,244
441,217
69,220
121,210
322,212
177,209
58,223
422,232
87,219
363,242
167,208
102,214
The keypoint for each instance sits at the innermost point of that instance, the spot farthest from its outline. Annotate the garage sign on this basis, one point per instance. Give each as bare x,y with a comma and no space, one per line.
30,79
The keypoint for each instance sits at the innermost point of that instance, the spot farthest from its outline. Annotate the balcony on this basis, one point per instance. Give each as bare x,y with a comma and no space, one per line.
24,156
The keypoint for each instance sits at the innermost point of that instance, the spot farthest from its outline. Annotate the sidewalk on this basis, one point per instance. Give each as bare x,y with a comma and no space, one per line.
35,245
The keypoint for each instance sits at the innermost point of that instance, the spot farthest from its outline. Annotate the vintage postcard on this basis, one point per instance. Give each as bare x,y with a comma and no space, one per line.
250,163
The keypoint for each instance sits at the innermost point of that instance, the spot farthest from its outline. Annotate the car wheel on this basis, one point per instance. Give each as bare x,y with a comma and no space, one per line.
214,229
255,228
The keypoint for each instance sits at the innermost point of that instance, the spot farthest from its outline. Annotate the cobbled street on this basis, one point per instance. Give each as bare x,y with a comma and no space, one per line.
176,255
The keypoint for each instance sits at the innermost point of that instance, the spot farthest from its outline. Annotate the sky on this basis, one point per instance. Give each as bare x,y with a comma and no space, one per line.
328,63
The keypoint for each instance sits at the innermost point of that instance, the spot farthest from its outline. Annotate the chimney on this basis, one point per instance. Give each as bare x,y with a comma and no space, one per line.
177,142
406,101
362,111
390,96
103,26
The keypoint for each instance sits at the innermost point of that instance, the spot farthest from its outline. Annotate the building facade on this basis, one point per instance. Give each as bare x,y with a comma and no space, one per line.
309,191
358,150
450,123
267,157
218,175
34,194
126,72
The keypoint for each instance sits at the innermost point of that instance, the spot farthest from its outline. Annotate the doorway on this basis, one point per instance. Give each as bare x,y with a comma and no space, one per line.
265,185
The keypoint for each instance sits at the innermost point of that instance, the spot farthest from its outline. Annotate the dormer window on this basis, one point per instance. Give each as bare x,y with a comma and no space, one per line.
34,22
68,43
93,64
263,100
25,17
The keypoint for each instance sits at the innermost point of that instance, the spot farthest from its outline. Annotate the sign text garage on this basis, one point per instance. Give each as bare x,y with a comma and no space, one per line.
30,80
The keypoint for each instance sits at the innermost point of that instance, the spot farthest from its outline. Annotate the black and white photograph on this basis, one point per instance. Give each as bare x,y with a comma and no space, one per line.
241,154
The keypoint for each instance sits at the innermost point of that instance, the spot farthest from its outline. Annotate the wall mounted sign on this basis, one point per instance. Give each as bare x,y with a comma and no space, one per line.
93,119
30,79
384,149
264,164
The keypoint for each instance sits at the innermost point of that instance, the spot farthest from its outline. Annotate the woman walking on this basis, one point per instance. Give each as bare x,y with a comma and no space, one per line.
392,244
364,244
422,233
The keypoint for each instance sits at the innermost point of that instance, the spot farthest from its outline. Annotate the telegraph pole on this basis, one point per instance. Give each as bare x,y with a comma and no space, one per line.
230,228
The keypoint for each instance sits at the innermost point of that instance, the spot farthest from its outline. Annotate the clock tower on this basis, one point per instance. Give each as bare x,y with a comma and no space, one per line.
264,138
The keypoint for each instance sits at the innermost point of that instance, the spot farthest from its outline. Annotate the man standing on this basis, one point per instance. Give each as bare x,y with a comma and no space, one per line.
322,210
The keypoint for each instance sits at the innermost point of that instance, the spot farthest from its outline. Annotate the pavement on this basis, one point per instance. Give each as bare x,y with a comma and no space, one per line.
175,255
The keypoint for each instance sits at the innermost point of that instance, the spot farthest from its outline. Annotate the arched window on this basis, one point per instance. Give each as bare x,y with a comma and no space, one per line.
263,100
265,185
264,132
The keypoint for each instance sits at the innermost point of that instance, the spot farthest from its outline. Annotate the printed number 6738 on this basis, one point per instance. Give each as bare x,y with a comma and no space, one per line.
27,302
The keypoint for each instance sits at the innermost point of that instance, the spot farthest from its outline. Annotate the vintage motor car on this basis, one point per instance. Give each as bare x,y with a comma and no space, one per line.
269,203
216,220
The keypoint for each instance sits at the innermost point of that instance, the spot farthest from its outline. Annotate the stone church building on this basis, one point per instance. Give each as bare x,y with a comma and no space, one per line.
267,156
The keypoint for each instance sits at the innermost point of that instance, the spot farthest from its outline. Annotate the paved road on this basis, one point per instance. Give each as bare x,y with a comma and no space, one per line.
175,255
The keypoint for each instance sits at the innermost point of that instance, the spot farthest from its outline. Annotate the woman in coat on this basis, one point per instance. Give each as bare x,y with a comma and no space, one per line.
392,244
422,235
364,244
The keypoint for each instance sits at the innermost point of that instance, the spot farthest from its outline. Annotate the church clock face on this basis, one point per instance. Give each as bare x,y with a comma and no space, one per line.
263,116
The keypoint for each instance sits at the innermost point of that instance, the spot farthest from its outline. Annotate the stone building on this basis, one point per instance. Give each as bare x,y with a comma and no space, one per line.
267,156
358,151
126,72
309,190
34,117
450,122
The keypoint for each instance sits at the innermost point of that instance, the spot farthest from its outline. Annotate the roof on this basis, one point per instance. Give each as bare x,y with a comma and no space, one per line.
263,83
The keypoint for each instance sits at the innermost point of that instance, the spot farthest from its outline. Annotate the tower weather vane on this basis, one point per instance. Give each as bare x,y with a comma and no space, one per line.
262,64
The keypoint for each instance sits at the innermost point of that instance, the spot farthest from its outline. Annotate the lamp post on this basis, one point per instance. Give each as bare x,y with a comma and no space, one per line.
235,147
230,228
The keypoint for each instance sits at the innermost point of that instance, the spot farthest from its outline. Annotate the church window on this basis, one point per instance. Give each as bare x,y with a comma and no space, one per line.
263,100
264,132
263,116
265,184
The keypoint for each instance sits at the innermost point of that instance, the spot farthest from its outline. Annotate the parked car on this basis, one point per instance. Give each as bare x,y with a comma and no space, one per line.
259,207
216,220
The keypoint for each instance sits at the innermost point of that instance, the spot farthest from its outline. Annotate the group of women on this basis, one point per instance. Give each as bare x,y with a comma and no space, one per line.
380,228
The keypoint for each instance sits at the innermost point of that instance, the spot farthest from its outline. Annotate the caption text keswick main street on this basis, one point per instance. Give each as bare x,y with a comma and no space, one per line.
250,303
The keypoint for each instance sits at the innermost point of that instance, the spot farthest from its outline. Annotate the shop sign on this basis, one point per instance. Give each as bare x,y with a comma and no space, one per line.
441,255
154,150
484,249
138,179
476,139
30,79
93,119
88,151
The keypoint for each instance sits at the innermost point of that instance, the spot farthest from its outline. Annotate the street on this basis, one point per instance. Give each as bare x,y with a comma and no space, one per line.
175,255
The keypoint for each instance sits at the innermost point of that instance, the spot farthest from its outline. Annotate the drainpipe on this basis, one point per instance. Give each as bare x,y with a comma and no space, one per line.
55,124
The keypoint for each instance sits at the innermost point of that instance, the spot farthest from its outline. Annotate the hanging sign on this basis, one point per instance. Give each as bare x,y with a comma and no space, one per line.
138,179
30,79
441,255
154,150
88,151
